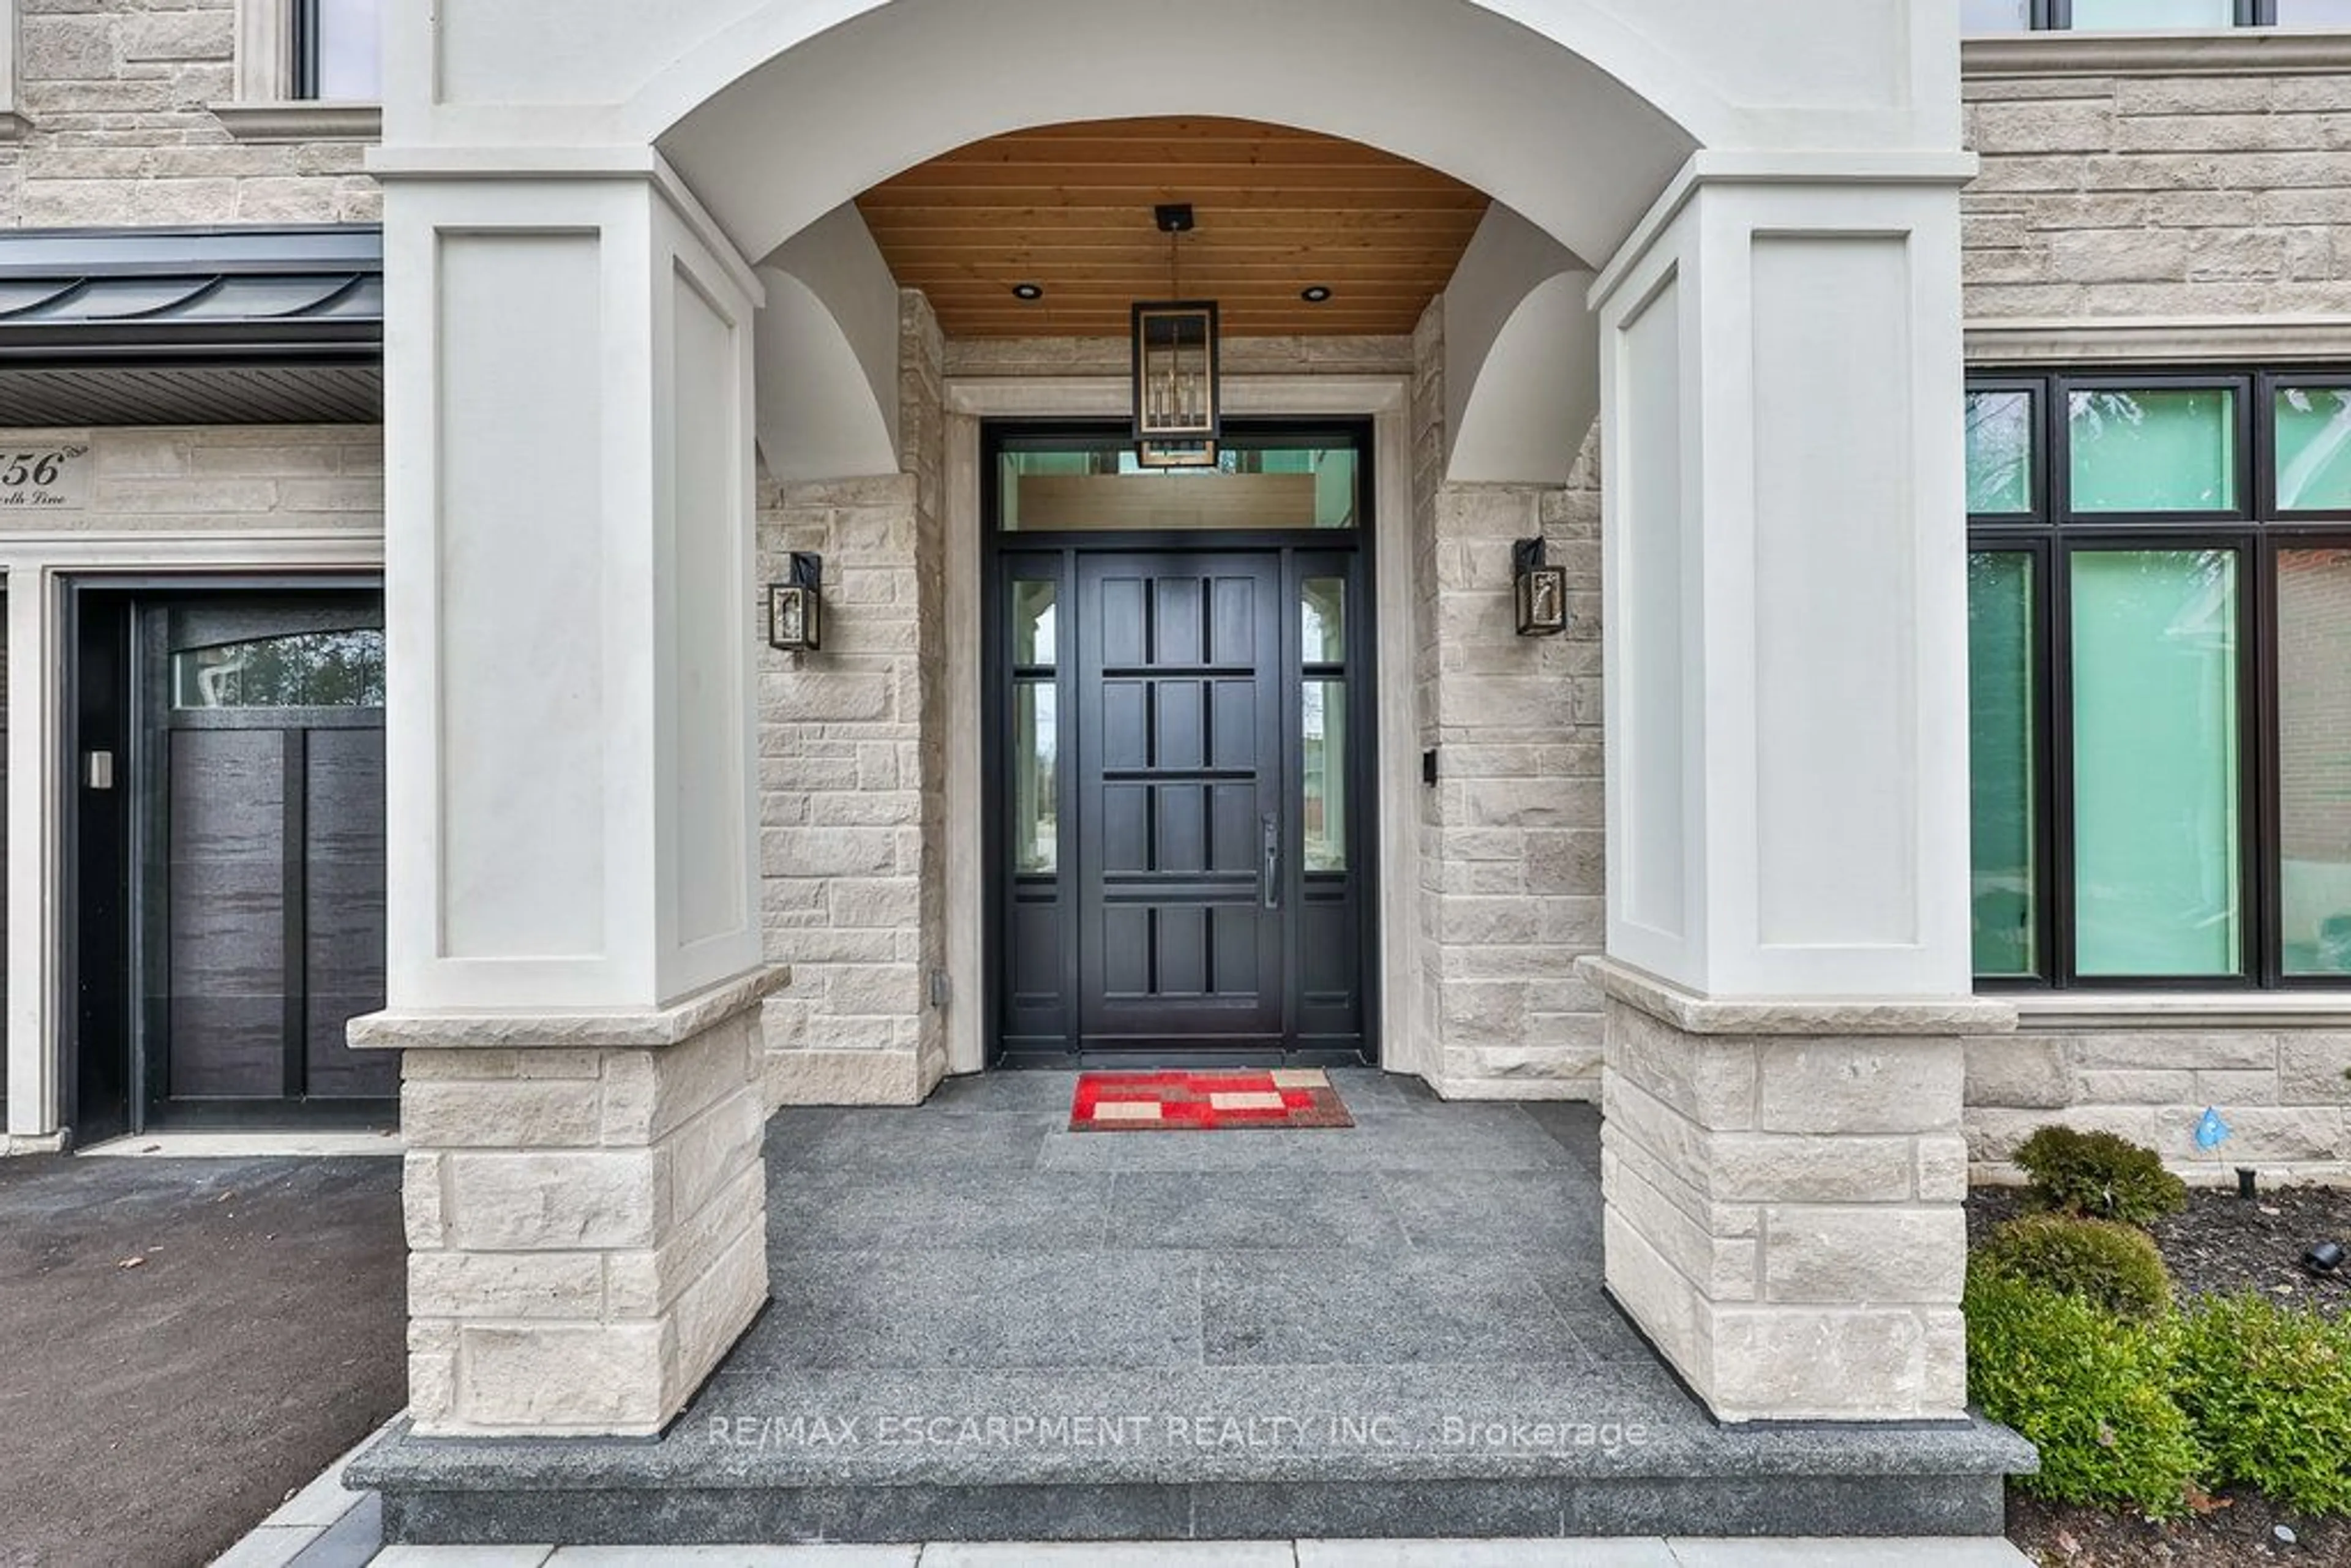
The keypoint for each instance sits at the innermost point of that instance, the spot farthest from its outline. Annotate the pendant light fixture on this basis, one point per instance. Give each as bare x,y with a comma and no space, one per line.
1177,413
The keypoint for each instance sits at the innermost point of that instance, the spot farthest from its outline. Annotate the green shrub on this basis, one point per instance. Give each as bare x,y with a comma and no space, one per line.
2091,1390
2269,1389
2110,1265
2100,1175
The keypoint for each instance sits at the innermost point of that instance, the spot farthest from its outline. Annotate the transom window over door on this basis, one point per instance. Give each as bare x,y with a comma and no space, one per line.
2159,613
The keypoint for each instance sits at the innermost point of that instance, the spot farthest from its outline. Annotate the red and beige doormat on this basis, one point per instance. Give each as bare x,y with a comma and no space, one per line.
1206,1102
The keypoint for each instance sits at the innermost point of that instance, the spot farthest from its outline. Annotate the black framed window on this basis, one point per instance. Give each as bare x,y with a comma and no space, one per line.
339,50
1977,16
2159,621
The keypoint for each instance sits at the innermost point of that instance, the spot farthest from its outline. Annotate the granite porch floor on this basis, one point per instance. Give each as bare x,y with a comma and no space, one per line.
984,1326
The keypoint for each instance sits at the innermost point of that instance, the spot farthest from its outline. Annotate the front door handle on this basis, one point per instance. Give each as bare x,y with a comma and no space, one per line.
1270,875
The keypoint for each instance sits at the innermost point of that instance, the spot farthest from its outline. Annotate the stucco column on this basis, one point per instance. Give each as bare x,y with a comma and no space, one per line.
574,955
1786,687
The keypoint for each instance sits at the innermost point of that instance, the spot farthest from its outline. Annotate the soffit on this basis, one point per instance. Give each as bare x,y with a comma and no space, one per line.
1069,207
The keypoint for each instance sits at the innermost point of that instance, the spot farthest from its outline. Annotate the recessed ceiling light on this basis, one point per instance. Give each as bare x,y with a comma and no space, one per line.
1029,291
1315,293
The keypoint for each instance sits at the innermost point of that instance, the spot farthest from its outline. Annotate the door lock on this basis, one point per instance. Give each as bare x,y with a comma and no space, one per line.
1270,876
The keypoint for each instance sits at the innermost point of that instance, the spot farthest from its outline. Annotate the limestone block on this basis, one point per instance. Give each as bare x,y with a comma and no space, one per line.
2289,1134
828,851
1859,1086
1942,1175
648,1094
1993,1134
708,1152
2239,1086
2024,1071
603,1378
823,1077
2110,1086
432,1389
1721,1268
516,1114
505,1284
1763,1167
713,1313
421,1207
556,1202
1710,1077
1657,1296
1831,1364
2311,1069
2192,1049
1850,1256
646,1283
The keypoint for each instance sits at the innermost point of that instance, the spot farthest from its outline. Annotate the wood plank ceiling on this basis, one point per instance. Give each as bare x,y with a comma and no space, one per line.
1069,208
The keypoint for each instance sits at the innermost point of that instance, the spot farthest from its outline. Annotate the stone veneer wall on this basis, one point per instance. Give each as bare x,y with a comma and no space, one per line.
586,1214
1782,1191
202,479
2146,195
2151,196
121,134
851,768
1511,841
2283,1093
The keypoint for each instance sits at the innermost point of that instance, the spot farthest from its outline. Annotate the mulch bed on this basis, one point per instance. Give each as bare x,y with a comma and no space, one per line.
2220,1244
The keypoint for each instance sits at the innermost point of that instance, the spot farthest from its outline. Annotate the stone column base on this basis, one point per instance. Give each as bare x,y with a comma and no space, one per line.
586,1211
1783,1185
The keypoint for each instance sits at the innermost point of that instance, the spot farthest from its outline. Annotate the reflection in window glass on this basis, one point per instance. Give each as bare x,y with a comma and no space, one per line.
2313,13
1032,623
2155,881
2151,15
2160,450
1999,452
1098,485
2313,648
1325,710
1995,15
306,669
347,44
1324,603
2000,737
1036,816
2313,448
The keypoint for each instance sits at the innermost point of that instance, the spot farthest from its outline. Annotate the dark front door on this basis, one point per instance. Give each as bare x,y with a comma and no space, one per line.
1176,840
1179,720
262,870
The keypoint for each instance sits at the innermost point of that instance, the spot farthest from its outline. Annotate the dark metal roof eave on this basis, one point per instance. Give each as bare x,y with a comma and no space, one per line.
94,299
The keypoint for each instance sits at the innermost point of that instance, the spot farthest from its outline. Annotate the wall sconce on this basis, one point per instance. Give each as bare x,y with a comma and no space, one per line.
1542,590
796,607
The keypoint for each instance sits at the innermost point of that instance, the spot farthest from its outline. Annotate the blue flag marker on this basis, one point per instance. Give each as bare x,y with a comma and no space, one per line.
2210,1129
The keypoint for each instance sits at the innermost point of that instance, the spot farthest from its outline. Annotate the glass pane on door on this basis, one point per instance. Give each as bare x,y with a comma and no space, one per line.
1325,751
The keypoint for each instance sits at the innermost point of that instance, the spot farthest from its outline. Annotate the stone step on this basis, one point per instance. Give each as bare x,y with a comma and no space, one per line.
1208,1453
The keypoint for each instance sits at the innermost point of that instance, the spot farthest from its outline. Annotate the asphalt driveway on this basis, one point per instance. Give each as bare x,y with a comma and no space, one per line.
152,1411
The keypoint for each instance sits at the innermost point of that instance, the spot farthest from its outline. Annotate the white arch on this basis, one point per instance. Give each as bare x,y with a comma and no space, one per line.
801,104
1522,357
827,367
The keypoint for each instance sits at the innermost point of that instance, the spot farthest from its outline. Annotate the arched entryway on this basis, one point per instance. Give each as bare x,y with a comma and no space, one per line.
577,240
